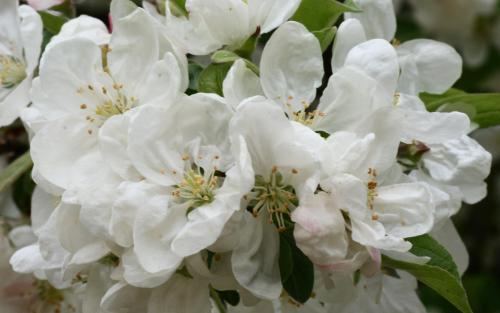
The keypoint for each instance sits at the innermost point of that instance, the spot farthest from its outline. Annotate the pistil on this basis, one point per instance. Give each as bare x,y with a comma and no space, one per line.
196,188
275,197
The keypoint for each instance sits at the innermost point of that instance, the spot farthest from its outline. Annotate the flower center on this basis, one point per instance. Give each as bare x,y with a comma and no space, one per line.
196,188
307,118
111,101
304,116
109,96
273,196
116,105
12,71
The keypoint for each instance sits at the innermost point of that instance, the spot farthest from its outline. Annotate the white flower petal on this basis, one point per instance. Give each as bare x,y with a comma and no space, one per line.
162,85
462,163
42,205
13,104
131,197
320,230
432,127
191,36
405,210
370,233
226,20
255,259
155,228
123,297
240,83
291,66
181,294
378,59
27,259
90,253
263,126
151,153
83,26
344,107
9,29
121,8
349,35
96,201
428,66
72,235
66,152
448,236
63,72
204,227
270,14
158,150
113,142
378,18
32,35
135,274
22,236
133,41
40,5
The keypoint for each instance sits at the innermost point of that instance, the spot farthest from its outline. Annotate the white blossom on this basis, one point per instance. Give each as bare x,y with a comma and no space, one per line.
20,46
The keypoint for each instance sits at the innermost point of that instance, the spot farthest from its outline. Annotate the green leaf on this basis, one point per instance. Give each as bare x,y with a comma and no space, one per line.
440,273
225,56
432,101
285,259
194,73
427,246
67,8
320,14
52,22
10,174
248,47
483,108
325,36
298,270
177,7
212,77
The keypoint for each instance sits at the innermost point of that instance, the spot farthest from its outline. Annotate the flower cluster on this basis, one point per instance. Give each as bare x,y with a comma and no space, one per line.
283,193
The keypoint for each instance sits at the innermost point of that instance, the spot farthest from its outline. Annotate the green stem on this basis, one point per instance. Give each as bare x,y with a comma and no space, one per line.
218,301
12,172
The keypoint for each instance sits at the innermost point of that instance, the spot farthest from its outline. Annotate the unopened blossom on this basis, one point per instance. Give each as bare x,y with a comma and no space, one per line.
20,44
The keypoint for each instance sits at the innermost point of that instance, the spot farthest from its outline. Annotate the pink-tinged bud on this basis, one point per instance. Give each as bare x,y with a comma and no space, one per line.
41,5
